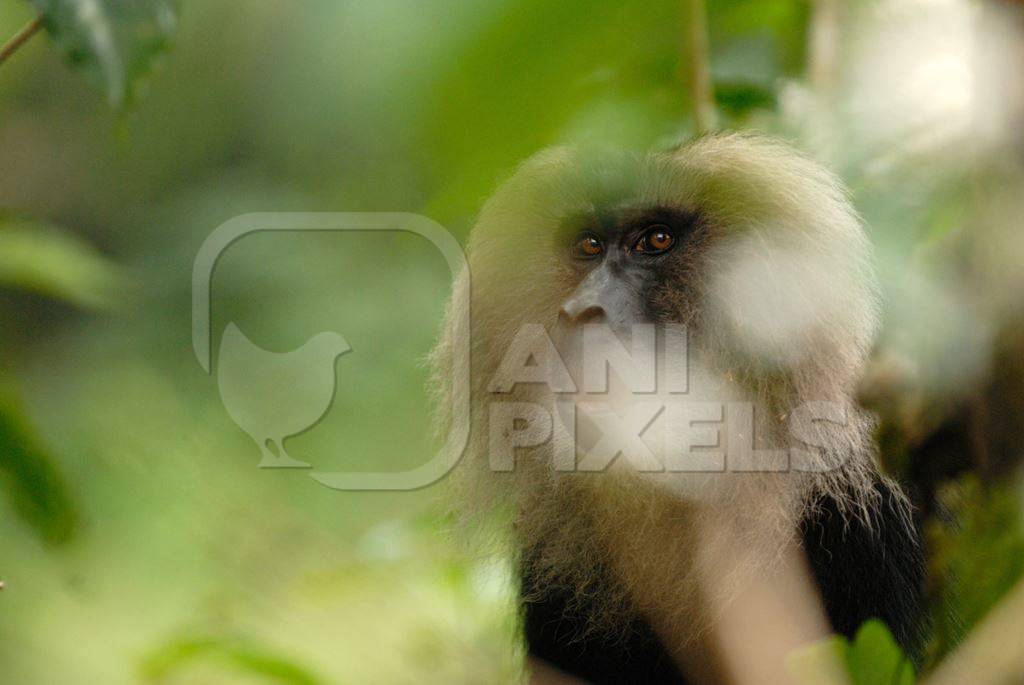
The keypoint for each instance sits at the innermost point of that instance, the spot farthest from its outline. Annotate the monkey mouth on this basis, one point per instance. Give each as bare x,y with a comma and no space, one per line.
615,425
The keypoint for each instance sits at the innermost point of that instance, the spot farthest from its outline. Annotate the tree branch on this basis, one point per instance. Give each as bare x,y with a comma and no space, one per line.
20,38
698,61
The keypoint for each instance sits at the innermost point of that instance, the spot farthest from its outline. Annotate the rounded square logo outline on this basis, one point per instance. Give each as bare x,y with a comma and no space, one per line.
240,226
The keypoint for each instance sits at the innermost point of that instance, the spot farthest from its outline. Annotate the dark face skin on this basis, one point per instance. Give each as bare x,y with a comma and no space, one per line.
634,267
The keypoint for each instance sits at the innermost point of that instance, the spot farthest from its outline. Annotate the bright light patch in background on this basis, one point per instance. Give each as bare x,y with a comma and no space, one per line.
911,77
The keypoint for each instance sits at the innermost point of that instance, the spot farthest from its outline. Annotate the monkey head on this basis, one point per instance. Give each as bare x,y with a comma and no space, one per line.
677,327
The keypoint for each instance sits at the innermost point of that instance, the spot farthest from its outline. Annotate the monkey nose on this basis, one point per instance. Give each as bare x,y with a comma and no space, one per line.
579,313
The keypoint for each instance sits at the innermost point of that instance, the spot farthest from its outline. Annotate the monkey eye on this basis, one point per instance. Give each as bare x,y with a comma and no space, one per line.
655,240
587,246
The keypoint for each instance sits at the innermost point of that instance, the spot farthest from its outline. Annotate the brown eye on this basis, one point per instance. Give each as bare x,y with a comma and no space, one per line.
587,245
656,239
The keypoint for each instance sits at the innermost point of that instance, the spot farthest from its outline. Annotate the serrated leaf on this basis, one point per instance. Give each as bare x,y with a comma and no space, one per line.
115,41
44,259
30,476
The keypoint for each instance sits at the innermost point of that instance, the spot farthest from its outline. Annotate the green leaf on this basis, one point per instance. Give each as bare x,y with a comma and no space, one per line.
30,476
115,41
46,260
241,657
874,657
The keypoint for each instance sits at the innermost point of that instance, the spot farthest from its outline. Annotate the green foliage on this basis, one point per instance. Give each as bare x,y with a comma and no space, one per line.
593,71
736,99
977,556
29,474
872,658
563,64
115,41
45,260
49,261
238,656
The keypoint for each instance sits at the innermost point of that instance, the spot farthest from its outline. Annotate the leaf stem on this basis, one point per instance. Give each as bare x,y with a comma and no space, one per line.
702,94
20,38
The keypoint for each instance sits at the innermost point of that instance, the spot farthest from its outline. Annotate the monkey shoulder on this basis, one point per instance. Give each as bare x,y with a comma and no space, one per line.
868,566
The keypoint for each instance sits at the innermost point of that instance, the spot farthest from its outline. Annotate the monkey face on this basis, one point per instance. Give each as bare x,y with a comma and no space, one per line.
632,266
749,249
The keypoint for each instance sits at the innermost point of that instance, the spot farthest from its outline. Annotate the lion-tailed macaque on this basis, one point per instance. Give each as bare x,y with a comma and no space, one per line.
664,352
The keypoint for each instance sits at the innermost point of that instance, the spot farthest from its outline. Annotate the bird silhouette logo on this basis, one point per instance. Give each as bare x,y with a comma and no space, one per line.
276,395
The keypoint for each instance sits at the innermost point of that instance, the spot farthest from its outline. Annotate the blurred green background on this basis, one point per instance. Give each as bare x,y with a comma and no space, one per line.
139,543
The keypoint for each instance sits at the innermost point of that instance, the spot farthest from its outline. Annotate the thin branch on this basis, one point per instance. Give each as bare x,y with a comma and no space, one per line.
822,45
698,62
20,38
